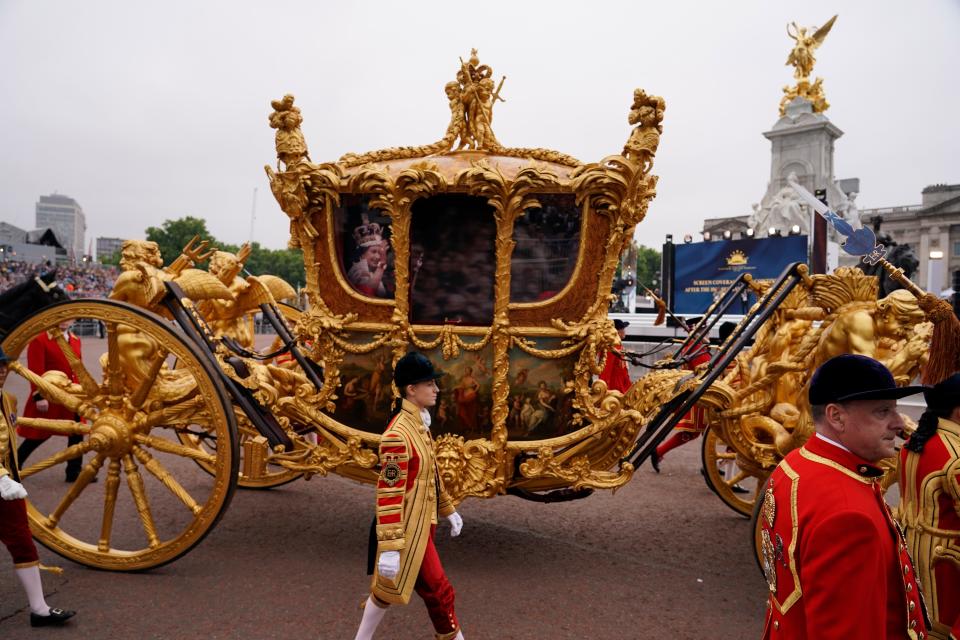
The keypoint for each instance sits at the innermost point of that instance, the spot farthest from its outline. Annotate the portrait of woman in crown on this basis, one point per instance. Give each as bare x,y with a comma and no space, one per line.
366,274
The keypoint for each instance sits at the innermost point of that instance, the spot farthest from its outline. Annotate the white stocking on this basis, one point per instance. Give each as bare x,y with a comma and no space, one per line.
372,615
30,579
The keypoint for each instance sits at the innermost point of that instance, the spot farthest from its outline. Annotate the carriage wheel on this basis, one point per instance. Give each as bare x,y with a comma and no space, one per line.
138,502
726,479
275,475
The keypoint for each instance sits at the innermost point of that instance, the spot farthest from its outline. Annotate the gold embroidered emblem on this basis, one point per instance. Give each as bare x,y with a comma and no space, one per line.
769,559
391,472
769,505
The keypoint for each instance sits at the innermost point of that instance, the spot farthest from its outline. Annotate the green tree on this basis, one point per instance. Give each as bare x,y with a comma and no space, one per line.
112,259
648,268
174,235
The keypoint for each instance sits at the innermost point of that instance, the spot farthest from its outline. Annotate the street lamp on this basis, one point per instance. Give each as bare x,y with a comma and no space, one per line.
669,238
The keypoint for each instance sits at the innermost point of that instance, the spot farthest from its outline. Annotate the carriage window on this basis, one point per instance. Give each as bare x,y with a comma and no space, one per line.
547,246
363,239
452,260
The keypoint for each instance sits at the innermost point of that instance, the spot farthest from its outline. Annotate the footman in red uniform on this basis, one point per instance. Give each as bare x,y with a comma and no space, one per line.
410,497
14,529
835,559
614,366
930,504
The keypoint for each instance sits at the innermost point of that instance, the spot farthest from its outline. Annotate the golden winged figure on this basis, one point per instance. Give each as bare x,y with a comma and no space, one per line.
801,57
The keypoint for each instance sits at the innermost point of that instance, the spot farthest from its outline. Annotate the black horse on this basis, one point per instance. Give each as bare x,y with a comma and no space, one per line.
23,299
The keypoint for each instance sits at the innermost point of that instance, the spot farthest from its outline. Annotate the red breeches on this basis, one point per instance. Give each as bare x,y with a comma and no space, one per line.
437,592
15,532
674,441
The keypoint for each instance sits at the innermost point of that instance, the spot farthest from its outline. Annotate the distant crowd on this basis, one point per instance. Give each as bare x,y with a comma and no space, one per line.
81,281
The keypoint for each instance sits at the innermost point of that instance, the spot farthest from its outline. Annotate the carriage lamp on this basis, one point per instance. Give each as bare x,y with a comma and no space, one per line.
748,233
706,236
773,232
669,239
727,234
795,230
687,239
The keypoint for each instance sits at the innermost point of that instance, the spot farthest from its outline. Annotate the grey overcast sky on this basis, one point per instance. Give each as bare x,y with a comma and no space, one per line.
148,111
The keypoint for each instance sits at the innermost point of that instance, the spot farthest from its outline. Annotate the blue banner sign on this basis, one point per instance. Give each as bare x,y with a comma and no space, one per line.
702,270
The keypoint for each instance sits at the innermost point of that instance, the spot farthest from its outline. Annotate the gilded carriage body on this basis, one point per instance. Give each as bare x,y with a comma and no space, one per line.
497,263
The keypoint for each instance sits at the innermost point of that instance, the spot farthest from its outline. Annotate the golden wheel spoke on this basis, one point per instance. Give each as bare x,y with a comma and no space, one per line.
176,449
109,504
140,395
726,455
62,427
86,476
71,452
90,386
737,478
114,372
135,482
54,393
152,465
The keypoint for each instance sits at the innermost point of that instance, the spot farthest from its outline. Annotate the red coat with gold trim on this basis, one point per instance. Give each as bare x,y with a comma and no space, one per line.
43,354
410,496
695,420
835,560
615,372
930,512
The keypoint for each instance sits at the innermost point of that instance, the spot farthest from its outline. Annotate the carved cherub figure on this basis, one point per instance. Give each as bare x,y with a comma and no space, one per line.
286,119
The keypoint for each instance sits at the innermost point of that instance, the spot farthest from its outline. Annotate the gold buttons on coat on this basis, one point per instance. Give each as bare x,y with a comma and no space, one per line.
913,624
906,570
909,588
913,605
776,624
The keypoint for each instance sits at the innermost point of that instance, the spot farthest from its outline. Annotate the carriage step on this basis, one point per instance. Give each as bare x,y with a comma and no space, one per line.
255,451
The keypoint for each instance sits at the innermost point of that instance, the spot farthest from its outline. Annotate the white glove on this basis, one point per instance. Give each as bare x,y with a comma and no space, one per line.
389,564
10,489
456,524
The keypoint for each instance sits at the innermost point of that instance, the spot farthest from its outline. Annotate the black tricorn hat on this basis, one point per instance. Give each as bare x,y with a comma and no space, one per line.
855,377
4,358
620,324
945,395
413,368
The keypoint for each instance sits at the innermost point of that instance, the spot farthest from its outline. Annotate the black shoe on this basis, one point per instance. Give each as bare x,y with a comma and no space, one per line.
738,489
655,461
56,618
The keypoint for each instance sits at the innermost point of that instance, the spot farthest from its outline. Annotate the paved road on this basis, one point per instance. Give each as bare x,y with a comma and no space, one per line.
661,558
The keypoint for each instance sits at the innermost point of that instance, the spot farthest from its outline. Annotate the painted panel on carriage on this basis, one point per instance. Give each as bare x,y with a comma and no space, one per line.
452,260
363,246
547,246
703,270
365,396
539,408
